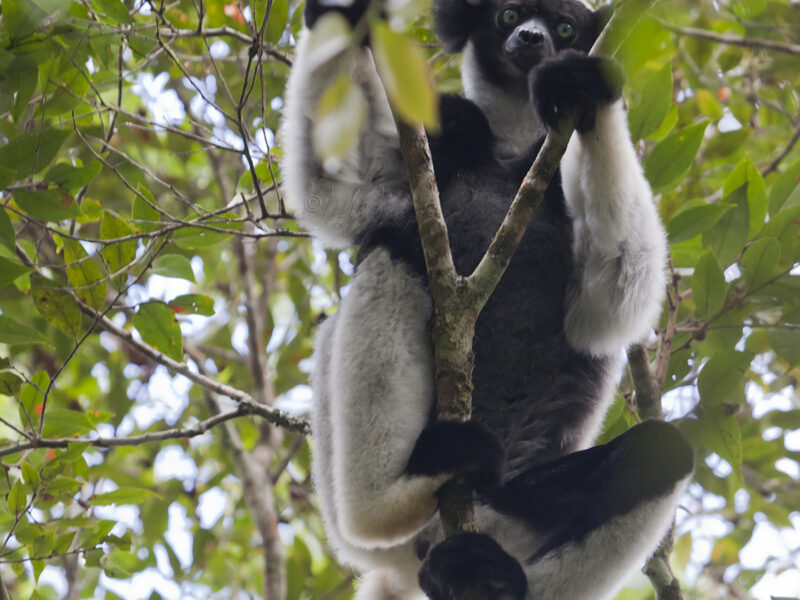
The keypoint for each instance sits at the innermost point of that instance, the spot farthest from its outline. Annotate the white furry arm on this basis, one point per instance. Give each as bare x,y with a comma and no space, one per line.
338,201
619,244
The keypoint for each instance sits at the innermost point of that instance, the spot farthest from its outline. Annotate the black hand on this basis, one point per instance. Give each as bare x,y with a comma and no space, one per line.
573,81
454,447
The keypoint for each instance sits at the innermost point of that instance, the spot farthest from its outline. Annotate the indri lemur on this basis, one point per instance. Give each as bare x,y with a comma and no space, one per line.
557,520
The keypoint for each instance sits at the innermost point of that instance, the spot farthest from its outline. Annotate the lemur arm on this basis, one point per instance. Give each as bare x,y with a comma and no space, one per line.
336,202
619,245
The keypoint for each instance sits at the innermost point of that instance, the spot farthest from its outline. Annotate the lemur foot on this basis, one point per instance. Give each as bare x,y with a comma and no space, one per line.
471,559
352,10
465,448
572,80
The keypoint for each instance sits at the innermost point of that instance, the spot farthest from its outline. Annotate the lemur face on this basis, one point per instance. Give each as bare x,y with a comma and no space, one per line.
531,31
510,37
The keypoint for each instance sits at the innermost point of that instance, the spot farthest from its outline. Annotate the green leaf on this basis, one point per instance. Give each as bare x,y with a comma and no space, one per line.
64,542
341,114
123,495
63,423
12,332
721,376
17,498
708,286
404,71
694,221
117,255
146,218
330,36
10,270
158,327
48,205
30,475
174,265
672,157
785,189
114,9
62,486
723,435
31,153
84,275
57,306
747,174
31,399
786,344
10,382
278,19
760,261
20,19
7,235
193,304
784,227
73,178
653,106
728,237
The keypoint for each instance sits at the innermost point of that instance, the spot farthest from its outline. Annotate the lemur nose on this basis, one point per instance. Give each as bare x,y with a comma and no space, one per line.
526,36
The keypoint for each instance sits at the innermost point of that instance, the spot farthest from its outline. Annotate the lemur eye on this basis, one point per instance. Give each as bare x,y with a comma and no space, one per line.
565,29
510,17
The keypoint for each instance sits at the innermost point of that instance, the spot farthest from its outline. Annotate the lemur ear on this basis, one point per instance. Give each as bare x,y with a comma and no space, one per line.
455,20
601,18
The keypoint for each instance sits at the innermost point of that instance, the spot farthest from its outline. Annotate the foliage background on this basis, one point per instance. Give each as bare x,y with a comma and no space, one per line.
156,299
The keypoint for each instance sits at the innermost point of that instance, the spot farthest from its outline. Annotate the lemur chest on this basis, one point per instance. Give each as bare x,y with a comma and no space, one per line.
475,204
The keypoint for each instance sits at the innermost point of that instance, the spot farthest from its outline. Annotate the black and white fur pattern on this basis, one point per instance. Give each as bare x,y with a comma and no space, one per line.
566,520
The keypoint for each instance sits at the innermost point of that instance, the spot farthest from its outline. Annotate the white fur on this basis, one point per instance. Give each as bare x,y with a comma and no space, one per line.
338,202
381,393
619,240
511,116
373,373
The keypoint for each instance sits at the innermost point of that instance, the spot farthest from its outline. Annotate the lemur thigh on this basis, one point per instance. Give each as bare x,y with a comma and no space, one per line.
619,242
337,201
596,515
381,395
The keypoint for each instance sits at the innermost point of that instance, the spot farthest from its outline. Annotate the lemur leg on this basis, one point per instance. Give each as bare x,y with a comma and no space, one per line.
382,585
594,516
336,201
380,398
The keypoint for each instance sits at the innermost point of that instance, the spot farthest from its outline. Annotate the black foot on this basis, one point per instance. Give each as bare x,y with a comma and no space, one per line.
453,447
352,10
573,81
471,559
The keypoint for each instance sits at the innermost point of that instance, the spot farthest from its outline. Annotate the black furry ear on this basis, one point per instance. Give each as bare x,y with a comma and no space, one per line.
601,18
455,20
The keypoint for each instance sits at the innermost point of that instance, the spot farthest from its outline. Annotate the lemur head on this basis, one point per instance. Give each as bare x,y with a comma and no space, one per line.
510,37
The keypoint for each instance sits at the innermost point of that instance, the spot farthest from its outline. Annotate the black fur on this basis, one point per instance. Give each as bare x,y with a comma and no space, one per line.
464,141
352,12
570,497
455,20
572,81
469,448
469,559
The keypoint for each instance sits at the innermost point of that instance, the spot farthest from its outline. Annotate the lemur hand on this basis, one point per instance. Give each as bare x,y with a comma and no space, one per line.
465,448
572,80
352,10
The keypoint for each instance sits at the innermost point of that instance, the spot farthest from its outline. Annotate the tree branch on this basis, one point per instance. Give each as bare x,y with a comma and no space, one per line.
734,40
147,438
